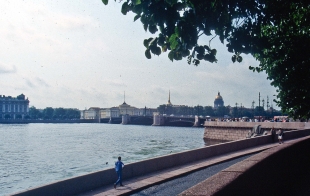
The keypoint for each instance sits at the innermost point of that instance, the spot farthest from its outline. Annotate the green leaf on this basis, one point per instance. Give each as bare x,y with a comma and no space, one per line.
145,26
207,48
233,58
105,2
152,29
143,19
153,49
153,41
177,56
170,55
177,31
136,2
239,59
173,41
136,17
125,8
164,48
148,54
213,52
158,51
146,43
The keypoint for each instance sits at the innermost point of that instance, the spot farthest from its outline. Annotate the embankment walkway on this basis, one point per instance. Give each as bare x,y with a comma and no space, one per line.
143,174
136,184
281,170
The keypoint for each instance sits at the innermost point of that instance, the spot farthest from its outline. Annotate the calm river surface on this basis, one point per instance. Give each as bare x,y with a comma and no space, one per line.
37,154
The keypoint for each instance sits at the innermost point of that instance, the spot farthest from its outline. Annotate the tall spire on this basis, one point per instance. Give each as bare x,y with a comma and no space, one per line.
169,102
124,98
169,95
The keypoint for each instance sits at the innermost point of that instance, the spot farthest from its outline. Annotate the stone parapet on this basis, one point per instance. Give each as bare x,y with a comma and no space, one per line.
217,130
226,133
284,125
282,170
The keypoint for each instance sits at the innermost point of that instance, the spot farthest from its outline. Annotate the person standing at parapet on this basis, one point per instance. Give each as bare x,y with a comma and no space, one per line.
119,169
280,135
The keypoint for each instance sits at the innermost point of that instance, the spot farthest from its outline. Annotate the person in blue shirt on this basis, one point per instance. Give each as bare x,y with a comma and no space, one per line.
119,168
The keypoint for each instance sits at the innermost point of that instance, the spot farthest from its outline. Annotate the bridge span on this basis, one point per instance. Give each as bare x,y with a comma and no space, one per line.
156,120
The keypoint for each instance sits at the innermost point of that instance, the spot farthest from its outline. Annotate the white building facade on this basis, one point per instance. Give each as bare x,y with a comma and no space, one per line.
14,107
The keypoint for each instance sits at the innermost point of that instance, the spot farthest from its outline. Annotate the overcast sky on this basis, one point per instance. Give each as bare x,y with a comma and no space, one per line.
81,54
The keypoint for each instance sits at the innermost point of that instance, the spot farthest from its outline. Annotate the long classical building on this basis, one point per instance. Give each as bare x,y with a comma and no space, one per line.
123,109
13,107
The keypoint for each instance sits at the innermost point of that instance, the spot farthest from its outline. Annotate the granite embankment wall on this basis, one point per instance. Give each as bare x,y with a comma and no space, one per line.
95,180
227,131
282,170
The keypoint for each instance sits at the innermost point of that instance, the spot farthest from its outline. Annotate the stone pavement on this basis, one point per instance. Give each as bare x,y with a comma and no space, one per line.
282,170
136,184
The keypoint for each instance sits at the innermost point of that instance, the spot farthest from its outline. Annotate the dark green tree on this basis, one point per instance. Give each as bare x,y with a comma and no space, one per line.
198,110
34,113
59,112
73,113
259,111
48,113
235,112
276,33
208,111
221,111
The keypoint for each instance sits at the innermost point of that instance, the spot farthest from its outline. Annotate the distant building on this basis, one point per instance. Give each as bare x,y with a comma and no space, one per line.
109,112
126,109
123,109
14,107
91,113
218,102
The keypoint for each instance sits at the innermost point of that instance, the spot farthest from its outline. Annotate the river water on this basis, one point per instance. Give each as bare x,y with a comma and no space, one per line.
36,154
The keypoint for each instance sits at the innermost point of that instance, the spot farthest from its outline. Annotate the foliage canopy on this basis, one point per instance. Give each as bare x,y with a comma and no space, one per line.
276,33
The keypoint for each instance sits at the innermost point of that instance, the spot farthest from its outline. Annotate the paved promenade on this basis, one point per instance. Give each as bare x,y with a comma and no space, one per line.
282,170
136,184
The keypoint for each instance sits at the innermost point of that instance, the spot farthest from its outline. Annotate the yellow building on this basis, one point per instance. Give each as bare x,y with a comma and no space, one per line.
127,109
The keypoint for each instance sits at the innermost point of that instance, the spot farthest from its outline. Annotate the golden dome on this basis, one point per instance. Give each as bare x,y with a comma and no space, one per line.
218,96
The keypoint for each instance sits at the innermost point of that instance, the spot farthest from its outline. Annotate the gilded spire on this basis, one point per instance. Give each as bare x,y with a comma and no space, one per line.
124,98
169,102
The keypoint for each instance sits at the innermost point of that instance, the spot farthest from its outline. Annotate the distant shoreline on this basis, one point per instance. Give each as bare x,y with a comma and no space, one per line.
24,121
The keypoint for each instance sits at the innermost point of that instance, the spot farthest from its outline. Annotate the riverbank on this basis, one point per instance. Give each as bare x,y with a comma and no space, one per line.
27,121
36,154
147,172
281,170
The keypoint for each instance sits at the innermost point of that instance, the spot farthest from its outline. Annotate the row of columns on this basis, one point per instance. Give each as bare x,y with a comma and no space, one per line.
16,108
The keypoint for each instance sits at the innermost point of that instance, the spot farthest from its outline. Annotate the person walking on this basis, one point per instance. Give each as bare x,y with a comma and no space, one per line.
119,168
280,136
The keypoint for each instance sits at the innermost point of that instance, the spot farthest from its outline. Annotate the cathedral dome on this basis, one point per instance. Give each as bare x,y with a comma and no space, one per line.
218,100
218,96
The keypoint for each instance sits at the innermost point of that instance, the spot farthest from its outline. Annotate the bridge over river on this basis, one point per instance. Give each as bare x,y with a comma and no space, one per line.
157,120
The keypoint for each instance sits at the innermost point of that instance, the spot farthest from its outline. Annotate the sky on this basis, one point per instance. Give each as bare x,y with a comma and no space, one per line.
81,54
